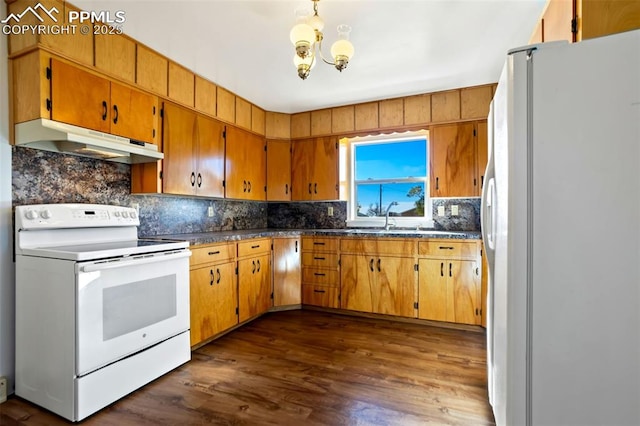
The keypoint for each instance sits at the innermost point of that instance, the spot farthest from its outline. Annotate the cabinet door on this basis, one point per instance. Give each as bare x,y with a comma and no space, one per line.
286,271
482,153
278,170
434,300
453,161
325,169
395,286
133,113
79,97
178,134
465,287
254,287
357,282
245,171
214,299
301,167
209,157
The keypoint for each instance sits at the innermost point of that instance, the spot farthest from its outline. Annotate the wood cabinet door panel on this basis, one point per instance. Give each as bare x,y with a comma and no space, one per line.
356,282
301,159
465,291
133,113
325,169
432,301
245,165
278,170
453,161
286,272
395,286
254,287
178,134
482,153
79,97
209,154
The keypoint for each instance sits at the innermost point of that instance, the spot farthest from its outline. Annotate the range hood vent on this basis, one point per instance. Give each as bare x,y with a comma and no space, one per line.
53,136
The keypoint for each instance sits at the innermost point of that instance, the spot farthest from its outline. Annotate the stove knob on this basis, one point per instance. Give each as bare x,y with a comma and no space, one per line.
31,214
45,214
132,215
125,214
116,213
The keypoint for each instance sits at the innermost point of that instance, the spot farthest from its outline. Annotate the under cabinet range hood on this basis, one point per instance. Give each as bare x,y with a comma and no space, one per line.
54,136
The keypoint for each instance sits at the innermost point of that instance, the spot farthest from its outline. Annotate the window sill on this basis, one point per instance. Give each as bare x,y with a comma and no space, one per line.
394,223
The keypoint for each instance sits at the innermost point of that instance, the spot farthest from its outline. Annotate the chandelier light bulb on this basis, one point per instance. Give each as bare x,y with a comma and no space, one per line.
316,23
302,34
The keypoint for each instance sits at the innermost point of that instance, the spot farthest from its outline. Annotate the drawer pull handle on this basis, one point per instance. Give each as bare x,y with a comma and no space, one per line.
319,291
211,273
379,268
449,269
258,265
315,243
318,274
319,258
442,269
254,247
211,253
219,276
253,271
445,248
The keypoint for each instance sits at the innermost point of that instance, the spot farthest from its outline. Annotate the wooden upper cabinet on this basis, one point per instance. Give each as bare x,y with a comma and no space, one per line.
278,125
452,162
366,116
243,113
209,157
475,101
321,122
31,88
445,106
258,120
278,170
75,46
181,84
315,169
245,165
417,110
205,96
343,119
391,113
301,125
116,55
599,18
133,113
79,97
226,109
178,139
556,20
152,70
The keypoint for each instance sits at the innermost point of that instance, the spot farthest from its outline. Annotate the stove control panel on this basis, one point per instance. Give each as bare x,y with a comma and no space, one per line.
74,216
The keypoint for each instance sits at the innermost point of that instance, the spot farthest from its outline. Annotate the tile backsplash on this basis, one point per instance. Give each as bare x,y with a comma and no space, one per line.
40,177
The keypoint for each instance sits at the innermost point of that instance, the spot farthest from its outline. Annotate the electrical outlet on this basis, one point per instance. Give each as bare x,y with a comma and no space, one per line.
454,210
329,211
3,389
210,211
440,211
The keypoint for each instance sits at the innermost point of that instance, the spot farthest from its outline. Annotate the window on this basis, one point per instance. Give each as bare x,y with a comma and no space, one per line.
386,172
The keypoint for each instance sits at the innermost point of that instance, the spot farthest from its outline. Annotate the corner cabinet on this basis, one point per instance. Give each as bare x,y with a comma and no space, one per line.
278,170
314,173
379,276
245,165
286,272
450,281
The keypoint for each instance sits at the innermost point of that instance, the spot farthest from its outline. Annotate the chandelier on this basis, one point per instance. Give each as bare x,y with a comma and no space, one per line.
307,37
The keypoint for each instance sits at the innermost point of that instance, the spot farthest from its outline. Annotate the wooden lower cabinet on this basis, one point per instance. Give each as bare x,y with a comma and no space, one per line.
214,300
318,295
254,286
378,284
449,291
286,272
320,272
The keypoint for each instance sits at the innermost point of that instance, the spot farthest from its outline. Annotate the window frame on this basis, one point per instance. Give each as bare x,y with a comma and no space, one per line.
348,182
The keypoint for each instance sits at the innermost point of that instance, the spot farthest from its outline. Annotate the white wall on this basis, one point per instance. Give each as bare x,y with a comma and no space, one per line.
7,269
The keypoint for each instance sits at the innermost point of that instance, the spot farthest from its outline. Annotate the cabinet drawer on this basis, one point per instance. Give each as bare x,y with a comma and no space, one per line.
378,246
320,260
449,249
320,276
327,297
252,247
212,254
319,244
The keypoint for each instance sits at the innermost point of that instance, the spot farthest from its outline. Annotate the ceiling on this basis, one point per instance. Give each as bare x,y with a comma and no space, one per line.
402,47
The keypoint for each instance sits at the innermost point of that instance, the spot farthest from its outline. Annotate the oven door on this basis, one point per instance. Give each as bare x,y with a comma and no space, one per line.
125,305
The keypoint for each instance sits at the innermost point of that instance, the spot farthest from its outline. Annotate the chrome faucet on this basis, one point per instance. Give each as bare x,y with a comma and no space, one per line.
386,217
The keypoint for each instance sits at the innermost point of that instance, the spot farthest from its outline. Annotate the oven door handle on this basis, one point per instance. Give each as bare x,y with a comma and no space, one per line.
135,261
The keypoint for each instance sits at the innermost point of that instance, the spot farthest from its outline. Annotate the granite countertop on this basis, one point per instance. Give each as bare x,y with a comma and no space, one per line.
222,236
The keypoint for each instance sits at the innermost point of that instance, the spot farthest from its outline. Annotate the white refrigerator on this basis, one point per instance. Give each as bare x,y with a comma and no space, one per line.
561,227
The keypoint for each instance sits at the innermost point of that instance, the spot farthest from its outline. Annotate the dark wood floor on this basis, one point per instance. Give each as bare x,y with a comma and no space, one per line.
309,368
